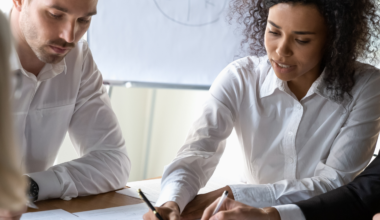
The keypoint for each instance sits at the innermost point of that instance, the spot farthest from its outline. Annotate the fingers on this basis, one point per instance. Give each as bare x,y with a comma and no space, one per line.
376,217
165,212
9,215
225,215
149,216
209,210
197,214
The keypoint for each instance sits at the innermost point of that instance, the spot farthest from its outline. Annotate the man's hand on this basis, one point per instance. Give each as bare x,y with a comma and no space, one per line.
168,211
376,217
196,207
9,215
231,210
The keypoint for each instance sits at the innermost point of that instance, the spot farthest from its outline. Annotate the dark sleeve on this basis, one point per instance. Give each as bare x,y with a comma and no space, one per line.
359,199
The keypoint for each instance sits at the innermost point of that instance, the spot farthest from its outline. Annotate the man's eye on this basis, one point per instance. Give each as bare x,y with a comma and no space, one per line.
84,21
54,15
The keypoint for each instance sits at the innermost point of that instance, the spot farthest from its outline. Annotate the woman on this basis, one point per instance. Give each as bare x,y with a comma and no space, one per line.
307,113
12,190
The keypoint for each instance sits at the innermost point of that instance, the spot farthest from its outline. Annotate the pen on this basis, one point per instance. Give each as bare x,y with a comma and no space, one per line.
149,204
220,203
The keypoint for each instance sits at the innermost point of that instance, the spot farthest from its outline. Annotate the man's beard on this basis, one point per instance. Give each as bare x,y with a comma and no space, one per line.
40,49
45,57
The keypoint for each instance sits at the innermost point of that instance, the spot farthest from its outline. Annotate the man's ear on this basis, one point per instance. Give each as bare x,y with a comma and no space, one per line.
17,4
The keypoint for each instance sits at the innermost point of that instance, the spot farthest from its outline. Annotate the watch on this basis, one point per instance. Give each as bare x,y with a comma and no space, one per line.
33,190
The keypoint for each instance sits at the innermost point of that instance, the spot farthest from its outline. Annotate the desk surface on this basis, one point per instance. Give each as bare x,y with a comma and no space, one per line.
87,203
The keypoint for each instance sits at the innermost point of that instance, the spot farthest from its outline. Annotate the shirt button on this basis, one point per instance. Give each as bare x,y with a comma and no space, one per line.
290,133
299,106
291,160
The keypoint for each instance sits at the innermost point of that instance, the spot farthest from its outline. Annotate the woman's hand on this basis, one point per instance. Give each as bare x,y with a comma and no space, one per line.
196,207
376,217
168,211
232,210
11,215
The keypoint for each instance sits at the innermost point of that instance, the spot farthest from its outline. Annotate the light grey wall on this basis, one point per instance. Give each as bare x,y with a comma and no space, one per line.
172,116
167,116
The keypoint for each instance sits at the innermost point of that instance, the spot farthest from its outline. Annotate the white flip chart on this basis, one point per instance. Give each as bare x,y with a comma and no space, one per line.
182,42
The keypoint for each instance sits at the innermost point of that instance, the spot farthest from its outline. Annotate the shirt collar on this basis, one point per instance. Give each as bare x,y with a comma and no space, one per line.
272,82
48,71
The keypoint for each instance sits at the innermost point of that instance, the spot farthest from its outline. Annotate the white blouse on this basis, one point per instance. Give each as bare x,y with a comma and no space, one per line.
293,150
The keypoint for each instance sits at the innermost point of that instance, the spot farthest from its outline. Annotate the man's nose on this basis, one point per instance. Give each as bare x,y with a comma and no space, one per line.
68,32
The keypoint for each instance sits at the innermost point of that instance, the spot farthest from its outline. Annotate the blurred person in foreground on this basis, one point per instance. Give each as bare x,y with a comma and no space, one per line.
12,184
305,107
62,92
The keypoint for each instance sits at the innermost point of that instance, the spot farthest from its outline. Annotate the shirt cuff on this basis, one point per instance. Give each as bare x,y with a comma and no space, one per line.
174,192
258,196
48,183
290,212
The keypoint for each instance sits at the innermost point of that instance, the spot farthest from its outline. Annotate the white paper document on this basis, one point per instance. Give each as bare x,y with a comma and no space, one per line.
129,212
152,188
58,214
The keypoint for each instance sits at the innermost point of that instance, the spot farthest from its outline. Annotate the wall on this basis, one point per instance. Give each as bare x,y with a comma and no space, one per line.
166,115
169,114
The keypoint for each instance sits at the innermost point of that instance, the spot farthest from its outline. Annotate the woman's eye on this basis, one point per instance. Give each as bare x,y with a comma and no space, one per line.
274,33
302,41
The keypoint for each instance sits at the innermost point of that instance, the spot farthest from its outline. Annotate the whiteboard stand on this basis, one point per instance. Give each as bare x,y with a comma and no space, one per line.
129,84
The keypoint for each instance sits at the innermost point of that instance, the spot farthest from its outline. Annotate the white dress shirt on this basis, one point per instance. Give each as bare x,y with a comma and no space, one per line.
293,150
69,97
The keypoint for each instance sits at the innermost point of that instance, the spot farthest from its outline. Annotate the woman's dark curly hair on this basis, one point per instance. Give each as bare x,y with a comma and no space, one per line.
353,34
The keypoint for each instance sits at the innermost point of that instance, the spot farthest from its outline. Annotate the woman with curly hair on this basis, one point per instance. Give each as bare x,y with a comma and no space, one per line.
306,111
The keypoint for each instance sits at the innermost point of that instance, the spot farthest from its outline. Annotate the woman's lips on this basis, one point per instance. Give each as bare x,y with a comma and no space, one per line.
282,67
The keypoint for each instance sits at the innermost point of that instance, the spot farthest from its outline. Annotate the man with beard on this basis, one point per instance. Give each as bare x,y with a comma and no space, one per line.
62,91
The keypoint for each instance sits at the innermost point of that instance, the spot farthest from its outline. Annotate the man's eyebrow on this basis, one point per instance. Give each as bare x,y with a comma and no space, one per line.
92,13
59,8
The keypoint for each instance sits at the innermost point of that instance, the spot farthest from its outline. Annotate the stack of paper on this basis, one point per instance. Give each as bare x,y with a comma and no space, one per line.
58,214
129,212
152,188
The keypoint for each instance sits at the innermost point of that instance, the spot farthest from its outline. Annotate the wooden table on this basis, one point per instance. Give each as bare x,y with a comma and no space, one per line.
87,203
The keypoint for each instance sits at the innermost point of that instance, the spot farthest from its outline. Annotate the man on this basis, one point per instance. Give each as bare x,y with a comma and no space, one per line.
360,199
62,92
